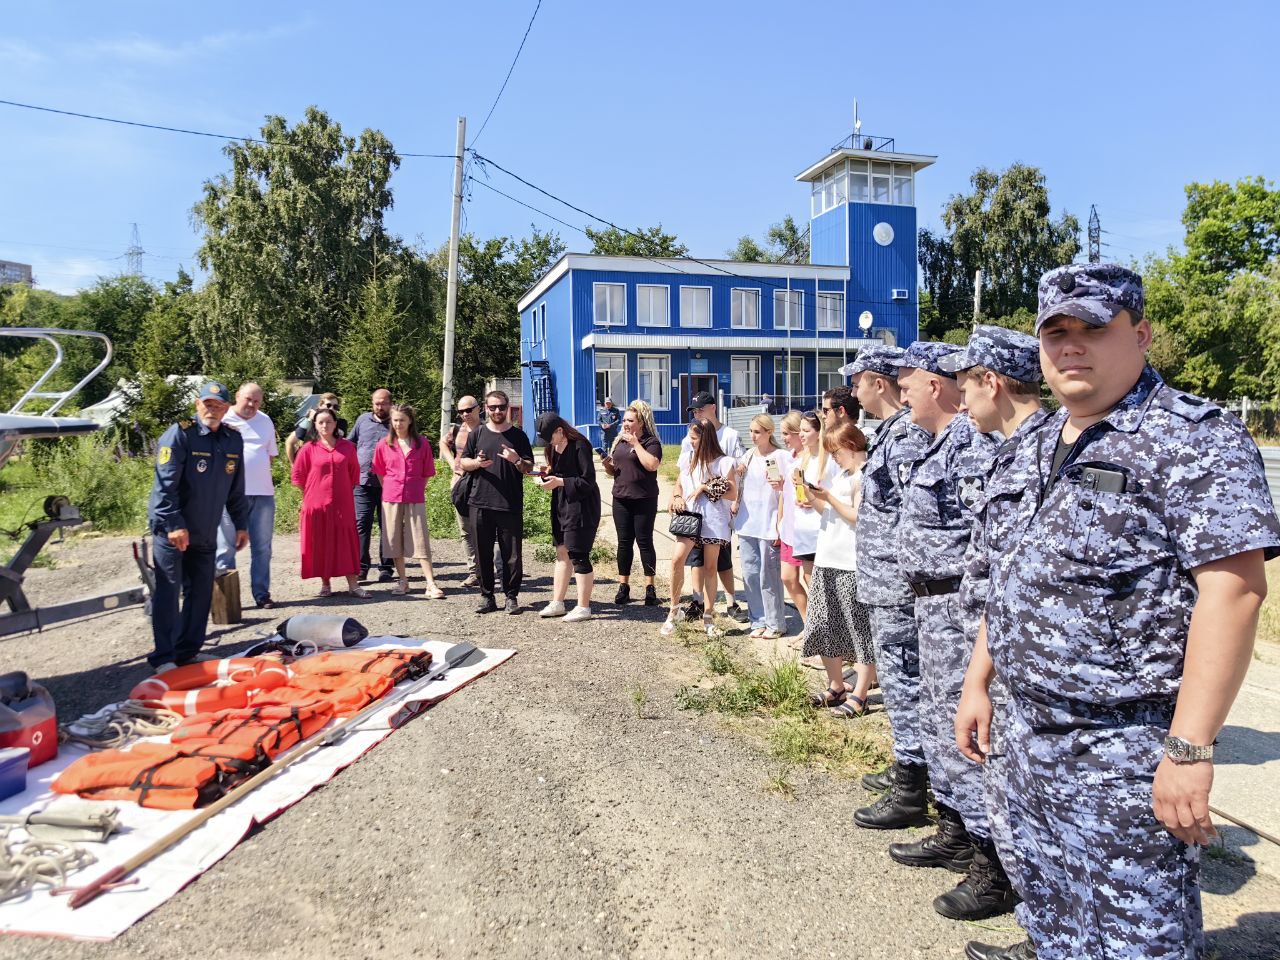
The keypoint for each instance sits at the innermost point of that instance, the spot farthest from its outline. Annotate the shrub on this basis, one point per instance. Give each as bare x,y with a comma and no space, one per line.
110,490
440,516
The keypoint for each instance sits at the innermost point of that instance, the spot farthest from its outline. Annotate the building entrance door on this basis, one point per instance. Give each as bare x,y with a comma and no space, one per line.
691,383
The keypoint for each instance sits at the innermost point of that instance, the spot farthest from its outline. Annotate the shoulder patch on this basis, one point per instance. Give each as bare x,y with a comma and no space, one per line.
1187,405
166,454
184,424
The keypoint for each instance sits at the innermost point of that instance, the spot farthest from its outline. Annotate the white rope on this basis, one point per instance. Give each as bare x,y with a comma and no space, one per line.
120,723
26,865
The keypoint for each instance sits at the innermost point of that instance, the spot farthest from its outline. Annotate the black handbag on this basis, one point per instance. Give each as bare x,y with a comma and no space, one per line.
685,524
461,494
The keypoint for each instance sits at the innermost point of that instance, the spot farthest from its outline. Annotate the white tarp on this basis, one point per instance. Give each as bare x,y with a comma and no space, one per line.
114,912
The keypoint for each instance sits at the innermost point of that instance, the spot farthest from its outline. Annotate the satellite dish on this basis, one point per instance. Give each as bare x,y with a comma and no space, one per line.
882,233
865,319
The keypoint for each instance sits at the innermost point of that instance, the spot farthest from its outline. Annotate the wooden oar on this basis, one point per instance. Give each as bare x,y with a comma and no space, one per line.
459,655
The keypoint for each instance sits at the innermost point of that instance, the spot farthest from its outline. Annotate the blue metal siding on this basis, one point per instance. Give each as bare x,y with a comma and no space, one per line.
558,348
876,271
828,233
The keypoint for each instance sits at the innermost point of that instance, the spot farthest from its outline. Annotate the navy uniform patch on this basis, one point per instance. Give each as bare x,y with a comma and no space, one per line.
904,471
970,490
202,464
230,467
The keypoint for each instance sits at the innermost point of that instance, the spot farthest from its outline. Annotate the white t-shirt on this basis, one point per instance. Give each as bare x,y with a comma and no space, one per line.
805,523
716,519
787,525
757,501
836,538
730,445
259,435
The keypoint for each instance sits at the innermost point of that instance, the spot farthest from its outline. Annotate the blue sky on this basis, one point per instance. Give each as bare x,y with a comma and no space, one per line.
694,114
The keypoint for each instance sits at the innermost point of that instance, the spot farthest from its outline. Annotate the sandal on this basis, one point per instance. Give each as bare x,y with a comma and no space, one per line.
325,592
360,593
400,589
771,635
847,710
709,625
828,698
668,628
757,634
435,593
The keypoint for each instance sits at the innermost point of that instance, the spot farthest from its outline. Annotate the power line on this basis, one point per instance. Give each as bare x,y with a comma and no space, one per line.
510,70
192,133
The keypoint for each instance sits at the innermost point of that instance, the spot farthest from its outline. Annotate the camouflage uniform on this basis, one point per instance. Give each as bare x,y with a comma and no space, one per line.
881,585
1087,621
939,493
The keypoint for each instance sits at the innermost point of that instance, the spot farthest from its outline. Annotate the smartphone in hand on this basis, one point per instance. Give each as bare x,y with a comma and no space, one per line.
772,473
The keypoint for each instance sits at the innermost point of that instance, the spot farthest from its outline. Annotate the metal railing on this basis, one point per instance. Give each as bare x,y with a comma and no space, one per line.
865,141
1271,461
48,334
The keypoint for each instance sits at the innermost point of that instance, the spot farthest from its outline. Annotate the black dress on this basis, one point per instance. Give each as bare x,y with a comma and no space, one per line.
575,507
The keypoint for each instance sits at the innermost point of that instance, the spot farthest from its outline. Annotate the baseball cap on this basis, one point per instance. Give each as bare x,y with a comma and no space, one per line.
1092,292
701,399
925,354
1000,349
213,390
881,360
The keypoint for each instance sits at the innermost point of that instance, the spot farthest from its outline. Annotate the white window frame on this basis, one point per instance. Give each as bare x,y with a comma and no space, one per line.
664,379
684,319
781,373
833,376
742,293
794,298
828,319
609,321
644,318
618,401
733,385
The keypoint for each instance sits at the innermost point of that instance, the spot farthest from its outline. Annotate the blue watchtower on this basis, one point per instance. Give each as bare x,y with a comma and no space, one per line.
863,216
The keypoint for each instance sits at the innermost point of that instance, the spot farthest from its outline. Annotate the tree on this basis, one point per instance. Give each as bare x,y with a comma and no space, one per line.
641,242
947,296
1004,228
785,242
291,235
1230,228
168,331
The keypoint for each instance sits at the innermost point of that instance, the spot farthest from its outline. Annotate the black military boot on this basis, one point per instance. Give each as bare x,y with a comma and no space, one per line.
905,805
973,950
985,892
950,848
881,781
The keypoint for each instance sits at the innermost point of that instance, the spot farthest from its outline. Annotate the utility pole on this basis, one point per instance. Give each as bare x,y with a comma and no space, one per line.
977,296
451,290
1095,236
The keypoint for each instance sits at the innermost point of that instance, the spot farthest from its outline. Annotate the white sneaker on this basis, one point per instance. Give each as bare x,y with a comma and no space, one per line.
553,609
162,667
578,614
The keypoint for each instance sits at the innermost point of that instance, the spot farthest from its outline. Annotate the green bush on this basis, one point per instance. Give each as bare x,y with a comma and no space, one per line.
110,490
440,516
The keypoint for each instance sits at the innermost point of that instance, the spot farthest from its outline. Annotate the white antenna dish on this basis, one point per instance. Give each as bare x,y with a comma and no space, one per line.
865,320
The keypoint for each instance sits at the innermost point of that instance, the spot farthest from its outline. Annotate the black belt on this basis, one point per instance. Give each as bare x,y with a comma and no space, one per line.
934,588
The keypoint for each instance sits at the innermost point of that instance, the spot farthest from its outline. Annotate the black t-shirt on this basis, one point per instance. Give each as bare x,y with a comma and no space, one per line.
499,485
633,481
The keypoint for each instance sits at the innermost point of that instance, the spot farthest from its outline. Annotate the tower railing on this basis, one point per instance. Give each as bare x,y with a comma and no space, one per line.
865,141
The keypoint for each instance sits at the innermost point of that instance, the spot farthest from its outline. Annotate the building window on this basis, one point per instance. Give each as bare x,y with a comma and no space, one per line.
745,309
654,375
744,378
611,378
788,309
880,176
903,189
859,181
653,305
829,375
830,311
788,378
610,304
695,306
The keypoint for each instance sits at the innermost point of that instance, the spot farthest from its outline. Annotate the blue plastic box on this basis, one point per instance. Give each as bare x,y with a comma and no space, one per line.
13,771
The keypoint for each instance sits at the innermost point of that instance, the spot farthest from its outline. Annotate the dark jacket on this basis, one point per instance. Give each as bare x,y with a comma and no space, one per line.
198,472
575,507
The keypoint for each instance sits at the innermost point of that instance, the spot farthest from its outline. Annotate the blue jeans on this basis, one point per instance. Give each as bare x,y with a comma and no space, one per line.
262,526
762,573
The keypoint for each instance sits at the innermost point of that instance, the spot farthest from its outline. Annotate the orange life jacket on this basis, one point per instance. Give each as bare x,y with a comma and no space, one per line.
265,731
345,692
398,663
211,685
158,775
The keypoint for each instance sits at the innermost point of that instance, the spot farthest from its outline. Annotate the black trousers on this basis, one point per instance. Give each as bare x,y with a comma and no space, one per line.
633,520
507,530
369,509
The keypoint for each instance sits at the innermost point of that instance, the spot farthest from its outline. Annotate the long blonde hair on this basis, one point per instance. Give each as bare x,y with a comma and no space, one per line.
802,462
765,423
647,427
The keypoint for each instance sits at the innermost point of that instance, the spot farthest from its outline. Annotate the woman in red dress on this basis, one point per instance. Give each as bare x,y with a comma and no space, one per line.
327,469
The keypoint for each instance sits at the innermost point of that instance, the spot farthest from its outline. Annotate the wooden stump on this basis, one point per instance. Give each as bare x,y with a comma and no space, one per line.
226,598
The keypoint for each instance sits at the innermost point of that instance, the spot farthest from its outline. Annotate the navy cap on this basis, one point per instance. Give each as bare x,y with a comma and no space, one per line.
881,360
925,354
213,390
999,349
1092,292
701,400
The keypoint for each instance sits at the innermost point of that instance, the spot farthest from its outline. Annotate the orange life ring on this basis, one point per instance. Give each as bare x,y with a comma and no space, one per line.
211,685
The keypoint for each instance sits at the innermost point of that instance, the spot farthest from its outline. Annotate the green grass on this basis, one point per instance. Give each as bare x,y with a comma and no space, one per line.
1269,616
667,469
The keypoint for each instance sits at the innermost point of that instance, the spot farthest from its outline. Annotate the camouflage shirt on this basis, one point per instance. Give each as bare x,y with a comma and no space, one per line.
940,492
897,441
1091,597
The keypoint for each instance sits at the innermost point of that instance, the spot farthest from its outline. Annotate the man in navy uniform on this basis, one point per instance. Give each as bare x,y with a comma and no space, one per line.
1121,621
199,471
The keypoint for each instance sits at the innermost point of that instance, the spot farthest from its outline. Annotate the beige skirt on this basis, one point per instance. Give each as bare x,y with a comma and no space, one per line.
405,533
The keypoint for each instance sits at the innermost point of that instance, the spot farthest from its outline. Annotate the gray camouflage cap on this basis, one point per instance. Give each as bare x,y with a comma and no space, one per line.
881,360
1092,292
998,349
925,354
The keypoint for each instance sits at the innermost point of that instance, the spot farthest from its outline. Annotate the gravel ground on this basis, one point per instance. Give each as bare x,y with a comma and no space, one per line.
534,814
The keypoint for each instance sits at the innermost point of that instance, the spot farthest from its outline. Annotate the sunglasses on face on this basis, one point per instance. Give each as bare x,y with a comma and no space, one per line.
497,406
463,411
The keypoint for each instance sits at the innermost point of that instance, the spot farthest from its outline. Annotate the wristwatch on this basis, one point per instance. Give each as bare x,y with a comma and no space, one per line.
1183,751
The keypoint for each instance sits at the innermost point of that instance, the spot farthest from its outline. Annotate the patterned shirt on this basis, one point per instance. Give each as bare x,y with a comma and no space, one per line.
896,441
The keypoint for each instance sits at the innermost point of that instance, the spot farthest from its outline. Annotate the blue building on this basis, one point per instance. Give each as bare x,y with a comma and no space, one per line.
665,329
